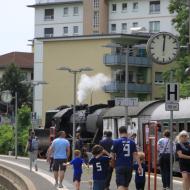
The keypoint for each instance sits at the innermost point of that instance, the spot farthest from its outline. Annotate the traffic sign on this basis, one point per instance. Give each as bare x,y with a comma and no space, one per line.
172,106
172,92
131,102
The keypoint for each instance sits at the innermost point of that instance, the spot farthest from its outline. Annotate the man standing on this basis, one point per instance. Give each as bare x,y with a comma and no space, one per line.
123,152
107,143
32,147
60,148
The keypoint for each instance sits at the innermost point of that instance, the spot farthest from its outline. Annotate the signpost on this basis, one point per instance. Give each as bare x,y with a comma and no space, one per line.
163,48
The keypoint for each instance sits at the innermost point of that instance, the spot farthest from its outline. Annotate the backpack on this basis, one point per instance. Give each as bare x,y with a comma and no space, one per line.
35,144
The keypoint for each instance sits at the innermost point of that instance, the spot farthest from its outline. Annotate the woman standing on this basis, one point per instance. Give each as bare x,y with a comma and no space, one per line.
183,152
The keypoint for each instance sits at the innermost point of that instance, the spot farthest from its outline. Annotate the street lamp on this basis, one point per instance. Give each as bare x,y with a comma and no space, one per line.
74,72
33,84
113,45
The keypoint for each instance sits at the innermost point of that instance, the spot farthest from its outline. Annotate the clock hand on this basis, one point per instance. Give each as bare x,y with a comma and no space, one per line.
164,41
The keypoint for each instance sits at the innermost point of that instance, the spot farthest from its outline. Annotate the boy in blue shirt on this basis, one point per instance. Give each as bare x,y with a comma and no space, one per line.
100,165
77,166
140,178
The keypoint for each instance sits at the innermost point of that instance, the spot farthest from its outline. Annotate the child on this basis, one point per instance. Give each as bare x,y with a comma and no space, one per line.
140,178
100,165
77,166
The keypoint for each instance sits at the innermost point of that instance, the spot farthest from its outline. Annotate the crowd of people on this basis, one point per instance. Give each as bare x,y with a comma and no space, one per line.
110,154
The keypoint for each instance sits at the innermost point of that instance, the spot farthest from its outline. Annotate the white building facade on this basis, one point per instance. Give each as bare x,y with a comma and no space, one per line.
56,18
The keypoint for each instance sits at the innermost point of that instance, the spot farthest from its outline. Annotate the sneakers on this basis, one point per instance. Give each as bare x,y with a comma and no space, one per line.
56,184
60,185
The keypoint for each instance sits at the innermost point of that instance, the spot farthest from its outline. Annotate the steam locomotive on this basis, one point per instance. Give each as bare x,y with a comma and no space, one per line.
88,120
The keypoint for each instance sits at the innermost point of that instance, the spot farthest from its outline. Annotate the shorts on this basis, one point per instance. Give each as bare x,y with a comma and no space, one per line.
77,177
123,176
98,184
58,164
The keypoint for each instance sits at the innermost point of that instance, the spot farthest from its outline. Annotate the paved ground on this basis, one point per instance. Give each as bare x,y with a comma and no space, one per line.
45,180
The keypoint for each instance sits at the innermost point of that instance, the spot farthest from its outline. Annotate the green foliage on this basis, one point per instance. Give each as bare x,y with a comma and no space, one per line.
24,116
11,80
180,22
6,138
179,75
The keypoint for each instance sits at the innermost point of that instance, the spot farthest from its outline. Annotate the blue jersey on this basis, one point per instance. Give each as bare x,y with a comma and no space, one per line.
124,149
77,166
100,167
139,178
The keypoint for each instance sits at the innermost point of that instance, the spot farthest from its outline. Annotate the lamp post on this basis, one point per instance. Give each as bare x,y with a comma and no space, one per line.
74,72
126,76
33,84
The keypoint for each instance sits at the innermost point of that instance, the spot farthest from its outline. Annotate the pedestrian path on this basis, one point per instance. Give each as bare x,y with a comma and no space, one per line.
44,180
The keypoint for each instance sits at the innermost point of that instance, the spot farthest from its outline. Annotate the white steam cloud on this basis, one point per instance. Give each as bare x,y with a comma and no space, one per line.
88,84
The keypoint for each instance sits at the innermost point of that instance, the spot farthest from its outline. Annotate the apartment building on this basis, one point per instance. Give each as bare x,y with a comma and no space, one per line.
74,33
55,18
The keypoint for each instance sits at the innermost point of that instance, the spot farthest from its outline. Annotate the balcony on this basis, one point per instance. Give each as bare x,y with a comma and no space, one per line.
132,87
115,59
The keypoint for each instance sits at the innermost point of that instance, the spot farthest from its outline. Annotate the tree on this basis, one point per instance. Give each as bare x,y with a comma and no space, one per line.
11,80
181,21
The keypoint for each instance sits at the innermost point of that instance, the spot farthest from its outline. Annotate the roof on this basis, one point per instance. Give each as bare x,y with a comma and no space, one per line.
184,112
55,2
119,111
23,60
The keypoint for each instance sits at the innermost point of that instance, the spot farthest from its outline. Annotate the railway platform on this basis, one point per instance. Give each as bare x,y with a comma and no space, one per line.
43,179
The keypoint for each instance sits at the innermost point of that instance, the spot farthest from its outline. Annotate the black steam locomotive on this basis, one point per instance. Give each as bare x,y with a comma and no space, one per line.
88,119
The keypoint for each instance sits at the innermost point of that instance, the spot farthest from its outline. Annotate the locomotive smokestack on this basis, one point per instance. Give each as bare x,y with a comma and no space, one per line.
87,85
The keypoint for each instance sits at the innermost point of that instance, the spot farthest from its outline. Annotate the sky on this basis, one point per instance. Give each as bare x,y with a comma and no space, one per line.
17,25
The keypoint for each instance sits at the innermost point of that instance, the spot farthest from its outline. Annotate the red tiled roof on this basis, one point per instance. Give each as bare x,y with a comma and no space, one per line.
23,60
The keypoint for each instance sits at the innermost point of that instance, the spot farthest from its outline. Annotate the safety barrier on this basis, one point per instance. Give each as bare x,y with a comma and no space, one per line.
14,180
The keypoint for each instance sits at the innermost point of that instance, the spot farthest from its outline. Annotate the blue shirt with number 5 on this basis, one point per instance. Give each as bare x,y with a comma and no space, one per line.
100,166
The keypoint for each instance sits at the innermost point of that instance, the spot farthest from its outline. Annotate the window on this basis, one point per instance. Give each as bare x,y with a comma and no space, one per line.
96,3
124,27
49,14
154,7
124,6
154,26
48,32
65,11
113,27
65,30
131,77
135,24
75,29
75,11
181,127
96,19
158,77
114,7
188,126
135,6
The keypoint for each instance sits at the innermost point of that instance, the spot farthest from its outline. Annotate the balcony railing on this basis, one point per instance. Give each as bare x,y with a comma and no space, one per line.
115,59
132,87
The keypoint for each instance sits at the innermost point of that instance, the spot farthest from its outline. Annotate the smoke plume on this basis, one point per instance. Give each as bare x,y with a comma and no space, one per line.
89,84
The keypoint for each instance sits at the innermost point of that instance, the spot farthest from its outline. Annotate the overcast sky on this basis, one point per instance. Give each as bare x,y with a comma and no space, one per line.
17,25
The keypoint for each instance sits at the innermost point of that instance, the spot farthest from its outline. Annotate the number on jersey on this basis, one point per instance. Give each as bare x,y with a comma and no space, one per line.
126,149
98,166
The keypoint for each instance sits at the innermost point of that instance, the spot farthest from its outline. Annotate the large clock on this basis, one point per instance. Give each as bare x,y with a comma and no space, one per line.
163,48
6,97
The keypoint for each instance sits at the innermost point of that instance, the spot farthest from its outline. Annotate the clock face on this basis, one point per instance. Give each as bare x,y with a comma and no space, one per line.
163,48
6,97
